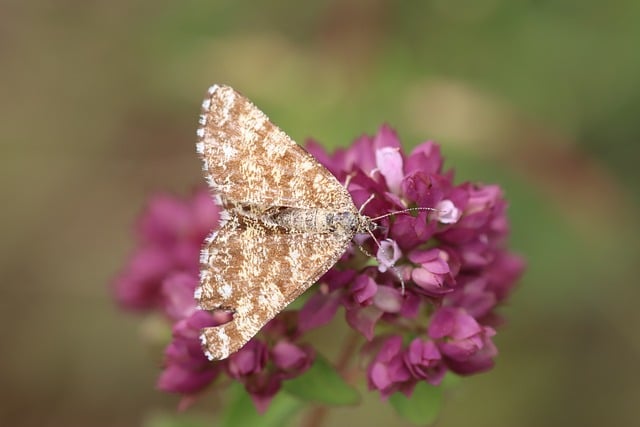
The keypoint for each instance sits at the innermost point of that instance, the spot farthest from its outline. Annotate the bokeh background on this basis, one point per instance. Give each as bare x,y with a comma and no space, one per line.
98,108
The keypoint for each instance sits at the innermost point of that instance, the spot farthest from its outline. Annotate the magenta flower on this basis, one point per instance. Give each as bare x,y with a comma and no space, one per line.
388,372
454,256
465,345
169,235
187,370
451,257
432,276
249,361
396,368
424,361
163,274
262,370
291,359
361,292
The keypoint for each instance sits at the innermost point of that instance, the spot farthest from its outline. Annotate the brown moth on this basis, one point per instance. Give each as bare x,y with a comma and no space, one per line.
286,219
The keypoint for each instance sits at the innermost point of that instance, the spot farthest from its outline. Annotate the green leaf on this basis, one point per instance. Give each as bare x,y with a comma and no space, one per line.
240,410
451,380
422,407
322,384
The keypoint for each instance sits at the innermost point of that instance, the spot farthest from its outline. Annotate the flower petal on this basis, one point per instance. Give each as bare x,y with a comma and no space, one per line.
389,163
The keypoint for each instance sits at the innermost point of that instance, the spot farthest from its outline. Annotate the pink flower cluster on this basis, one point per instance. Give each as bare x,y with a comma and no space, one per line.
162,275
452,260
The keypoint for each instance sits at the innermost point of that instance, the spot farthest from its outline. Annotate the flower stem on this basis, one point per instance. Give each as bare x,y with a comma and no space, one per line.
317,415
347,352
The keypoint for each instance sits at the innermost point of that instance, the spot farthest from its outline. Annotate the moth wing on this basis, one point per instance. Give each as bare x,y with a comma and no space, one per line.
256,273
248,160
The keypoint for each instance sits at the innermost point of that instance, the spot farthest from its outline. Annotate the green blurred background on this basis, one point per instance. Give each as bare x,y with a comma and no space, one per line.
98,108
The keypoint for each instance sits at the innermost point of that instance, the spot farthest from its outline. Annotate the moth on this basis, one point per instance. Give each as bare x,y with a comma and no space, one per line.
286,219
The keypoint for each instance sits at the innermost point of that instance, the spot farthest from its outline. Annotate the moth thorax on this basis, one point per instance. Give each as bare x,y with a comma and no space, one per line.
317,220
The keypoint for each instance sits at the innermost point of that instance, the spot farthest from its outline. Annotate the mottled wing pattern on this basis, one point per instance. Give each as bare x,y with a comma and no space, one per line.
249,267
249,161
257,272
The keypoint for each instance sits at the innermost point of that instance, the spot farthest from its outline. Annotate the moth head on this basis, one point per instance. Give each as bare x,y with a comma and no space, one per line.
366,225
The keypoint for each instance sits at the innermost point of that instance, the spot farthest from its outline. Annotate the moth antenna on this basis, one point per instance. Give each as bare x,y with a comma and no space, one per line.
404,211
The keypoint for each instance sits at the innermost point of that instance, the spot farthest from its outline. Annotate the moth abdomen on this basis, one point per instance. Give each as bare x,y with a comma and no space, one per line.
319,221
